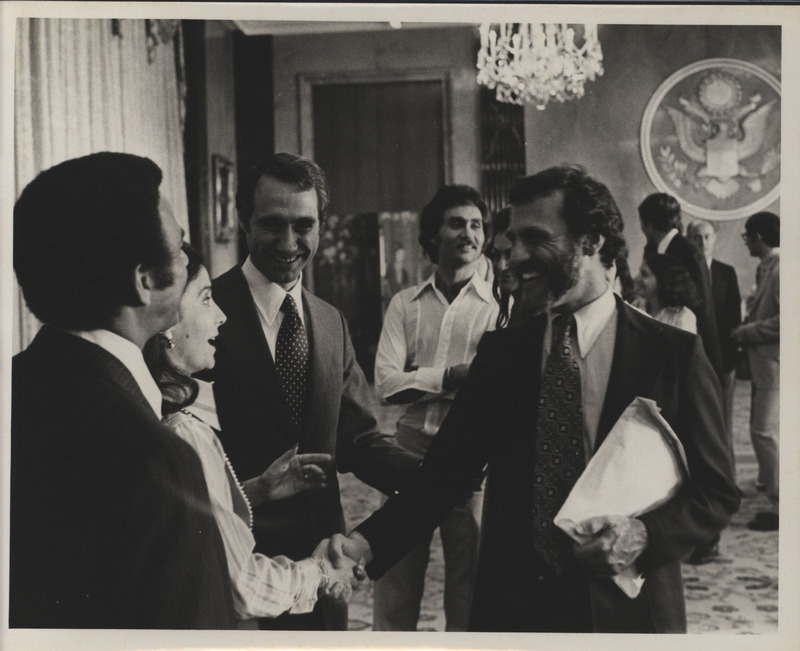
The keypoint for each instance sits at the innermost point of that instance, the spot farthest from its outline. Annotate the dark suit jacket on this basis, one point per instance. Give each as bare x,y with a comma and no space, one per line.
687,253
256,426
727,309
493,420
111,525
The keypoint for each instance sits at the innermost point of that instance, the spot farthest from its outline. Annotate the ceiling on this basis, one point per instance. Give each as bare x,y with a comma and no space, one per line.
285,27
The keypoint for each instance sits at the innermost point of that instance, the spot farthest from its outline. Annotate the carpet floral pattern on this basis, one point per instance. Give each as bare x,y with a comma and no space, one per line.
735,593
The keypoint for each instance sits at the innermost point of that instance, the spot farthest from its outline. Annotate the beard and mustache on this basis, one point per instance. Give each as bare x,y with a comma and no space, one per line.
556,272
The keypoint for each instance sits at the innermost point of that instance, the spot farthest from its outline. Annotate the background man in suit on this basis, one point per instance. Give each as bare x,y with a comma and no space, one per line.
111,525
727,310
660,221
760,335
566,232
286,371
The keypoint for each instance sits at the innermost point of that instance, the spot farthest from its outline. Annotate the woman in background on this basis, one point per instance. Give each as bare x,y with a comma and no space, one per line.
505,282
669,294
262,586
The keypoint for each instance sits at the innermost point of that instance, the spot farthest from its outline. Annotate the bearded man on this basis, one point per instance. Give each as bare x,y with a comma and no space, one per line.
539,400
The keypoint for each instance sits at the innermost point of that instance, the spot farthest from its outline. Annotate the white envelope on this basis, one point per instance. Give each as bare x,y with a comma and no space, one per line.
639,466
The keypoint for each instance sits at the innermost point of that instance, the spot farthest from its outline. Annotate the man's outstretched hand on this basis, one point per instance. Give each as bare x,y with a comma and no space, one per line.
342,580
344,548
616,542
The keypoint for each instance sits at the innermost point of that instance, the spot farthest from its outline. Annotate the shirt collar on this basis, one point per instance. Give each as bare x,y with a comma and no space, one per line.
130,355
204,406
481,287
665,242
269,296
590,320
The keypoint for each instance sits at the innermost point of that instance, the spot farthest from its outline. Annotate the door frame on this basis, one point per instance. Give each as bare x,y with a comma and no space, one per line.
305,107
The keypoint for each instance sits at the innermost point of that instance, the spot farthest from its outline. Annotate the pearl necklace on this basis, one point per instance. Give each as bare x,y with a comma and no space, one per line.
224,454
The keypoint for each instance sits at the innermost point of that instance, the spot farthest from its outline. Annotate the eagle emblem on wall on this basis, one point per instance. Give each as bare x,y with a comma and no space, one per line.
711,137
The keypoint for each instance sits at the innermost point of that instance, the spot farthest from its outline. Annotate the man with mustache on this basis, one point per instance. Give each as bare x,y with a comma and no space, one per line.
286,372
539,400
429,337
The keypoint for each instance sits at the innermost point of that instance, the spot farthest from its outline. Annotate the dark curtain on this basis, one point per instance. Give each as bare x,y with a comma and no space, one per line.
382,148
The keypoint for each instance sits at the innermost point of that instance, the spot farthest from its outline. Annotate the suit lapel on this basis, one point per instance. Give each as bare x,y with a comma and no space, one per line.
633,367
242,338
718,288
525,370
321,359
761,286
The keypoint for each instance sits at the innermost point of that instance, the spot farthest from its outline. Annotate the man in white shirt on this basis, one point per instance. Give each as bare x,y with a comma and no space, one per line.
110,516
539,400
429,337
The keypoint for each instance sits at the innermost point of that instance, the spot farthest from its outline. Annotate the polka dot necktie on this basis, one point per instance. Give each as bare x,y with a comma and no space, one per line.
291,360
559,444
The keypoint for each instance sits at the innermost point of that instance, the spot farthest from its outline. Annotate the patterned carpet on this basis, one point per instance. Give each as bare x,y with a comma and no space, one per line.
736,593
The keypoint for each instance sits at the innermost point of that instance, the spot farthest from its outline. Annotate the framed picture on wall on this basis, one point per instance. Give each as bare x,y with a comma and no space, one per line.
710,136
224,198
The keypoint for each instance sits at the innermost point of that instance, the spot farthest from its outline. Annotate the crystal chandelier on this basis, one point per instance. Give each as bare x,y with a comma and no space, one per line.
538,62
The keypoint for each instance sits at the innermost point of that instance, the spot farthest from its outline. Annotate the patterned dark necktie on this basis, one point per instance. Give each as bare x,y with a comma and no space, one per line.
559,444
291,360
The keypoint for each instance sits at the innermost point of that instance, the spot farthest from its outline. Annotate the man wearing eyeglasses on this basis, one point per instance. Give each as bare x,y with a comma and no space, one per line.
760,334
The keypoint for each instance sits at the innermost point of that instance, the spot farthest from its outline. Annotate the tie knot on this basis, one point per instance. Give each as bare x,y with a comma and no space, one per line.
288,306
563,325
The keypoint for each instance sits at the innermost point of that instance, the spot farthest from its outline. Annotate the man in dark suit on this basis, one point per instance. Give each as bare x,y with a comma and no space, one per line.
727,309
660,221
601,354
111,525
275,387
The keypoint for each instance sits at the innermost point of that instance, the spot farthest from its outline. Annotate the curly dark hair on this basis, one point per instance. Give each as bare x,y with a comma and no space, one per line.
80,230
589,207
675,286
500,224
626,282
178,390
288,168
448,196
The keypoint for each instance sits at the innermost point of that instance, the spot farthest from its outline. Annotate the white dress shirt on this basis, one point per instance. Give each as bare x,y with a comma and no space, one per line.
262,586
664,243
596,333
130,355
269,297
422,336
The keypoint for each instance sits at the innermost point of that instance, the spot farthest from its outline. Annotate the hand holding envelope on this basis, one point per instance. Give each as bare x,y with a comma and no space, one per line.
638,467
613,543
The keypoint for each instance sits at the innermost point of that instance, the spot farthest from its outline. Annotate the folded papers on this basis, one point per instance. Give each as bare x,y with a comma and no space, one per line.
639,466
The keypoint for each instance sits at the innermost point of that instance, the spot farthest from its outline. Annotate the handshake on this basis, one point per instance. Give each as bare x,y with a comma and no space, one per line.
341,560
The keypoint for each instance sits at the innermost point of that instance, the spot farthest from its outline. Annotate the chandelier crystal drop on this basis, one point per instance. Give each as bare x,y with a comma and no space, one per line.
538,62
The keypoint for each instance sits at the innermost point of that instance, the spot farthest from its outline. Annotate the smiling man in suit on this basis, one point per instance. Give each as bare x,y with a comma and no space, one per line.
540,398
111,525
286,371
